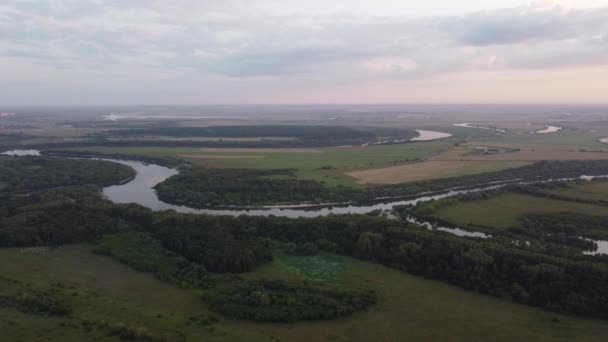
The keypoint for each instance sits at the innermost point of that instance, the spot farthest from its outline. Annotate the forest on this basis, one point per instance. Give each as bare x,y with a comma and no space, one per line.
32,173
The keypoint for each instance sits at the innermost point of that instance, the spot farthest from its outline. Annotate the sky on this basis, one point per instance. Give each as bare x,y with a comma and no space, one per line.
96,52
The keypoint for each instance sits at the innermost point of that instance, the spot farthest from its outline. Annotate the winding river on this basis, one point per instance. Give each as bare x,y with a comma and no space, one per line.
140,190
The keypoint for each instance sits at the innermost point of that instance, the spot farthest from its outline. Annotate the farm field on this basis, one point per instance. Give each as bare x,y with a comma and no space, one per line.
408,306
463,160
503,210
429,169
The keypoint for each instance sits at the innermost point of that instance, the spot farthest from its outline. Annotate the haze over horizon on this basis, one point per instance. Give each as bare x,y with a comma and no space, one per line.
73,52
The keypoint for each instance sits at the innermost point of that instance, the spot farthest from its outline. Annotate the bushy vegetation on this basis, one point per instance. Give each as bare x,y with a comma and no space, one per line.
219,247
283,301
144,253
59,216
35,302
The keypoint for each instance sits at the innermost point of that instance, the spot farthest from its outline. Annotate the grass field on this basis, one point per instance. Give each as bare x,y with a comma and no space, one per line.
409,308
503,210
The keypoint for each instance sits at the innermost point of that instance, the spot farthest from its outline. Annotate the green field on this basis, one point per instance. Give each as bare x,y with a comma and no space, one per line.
102,290
594,191
409,308
321,164
503,210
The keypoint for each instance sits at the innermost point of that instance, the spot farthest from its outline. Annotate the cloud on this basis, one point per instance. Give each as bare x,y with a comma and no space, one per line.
237,39
529,24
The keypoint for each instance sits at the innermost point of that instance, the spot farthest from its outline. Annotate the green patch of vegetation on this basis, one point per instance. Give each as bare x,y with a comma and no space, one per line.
590,191
35,302
323,267
285,301
569,224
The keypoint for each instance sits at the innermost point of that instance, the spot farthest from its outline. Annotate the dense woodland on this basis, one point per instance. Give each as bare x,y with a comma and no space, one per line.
283,301
164,161
20,174
267,136
217,187
191,249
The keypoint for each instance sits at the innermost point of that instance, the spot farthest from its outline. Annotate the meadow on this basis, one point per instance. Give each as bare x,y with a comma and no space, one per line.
101,289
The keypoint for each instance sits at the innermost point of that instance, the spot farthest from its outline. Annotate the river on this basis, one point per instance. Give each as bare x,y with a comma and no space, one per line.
21,153
140,190
549,129
429,135
479,126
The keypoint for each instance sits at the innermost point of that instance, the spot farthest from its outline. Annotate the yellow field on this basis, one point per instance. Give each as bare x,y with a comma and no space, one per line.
458,161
